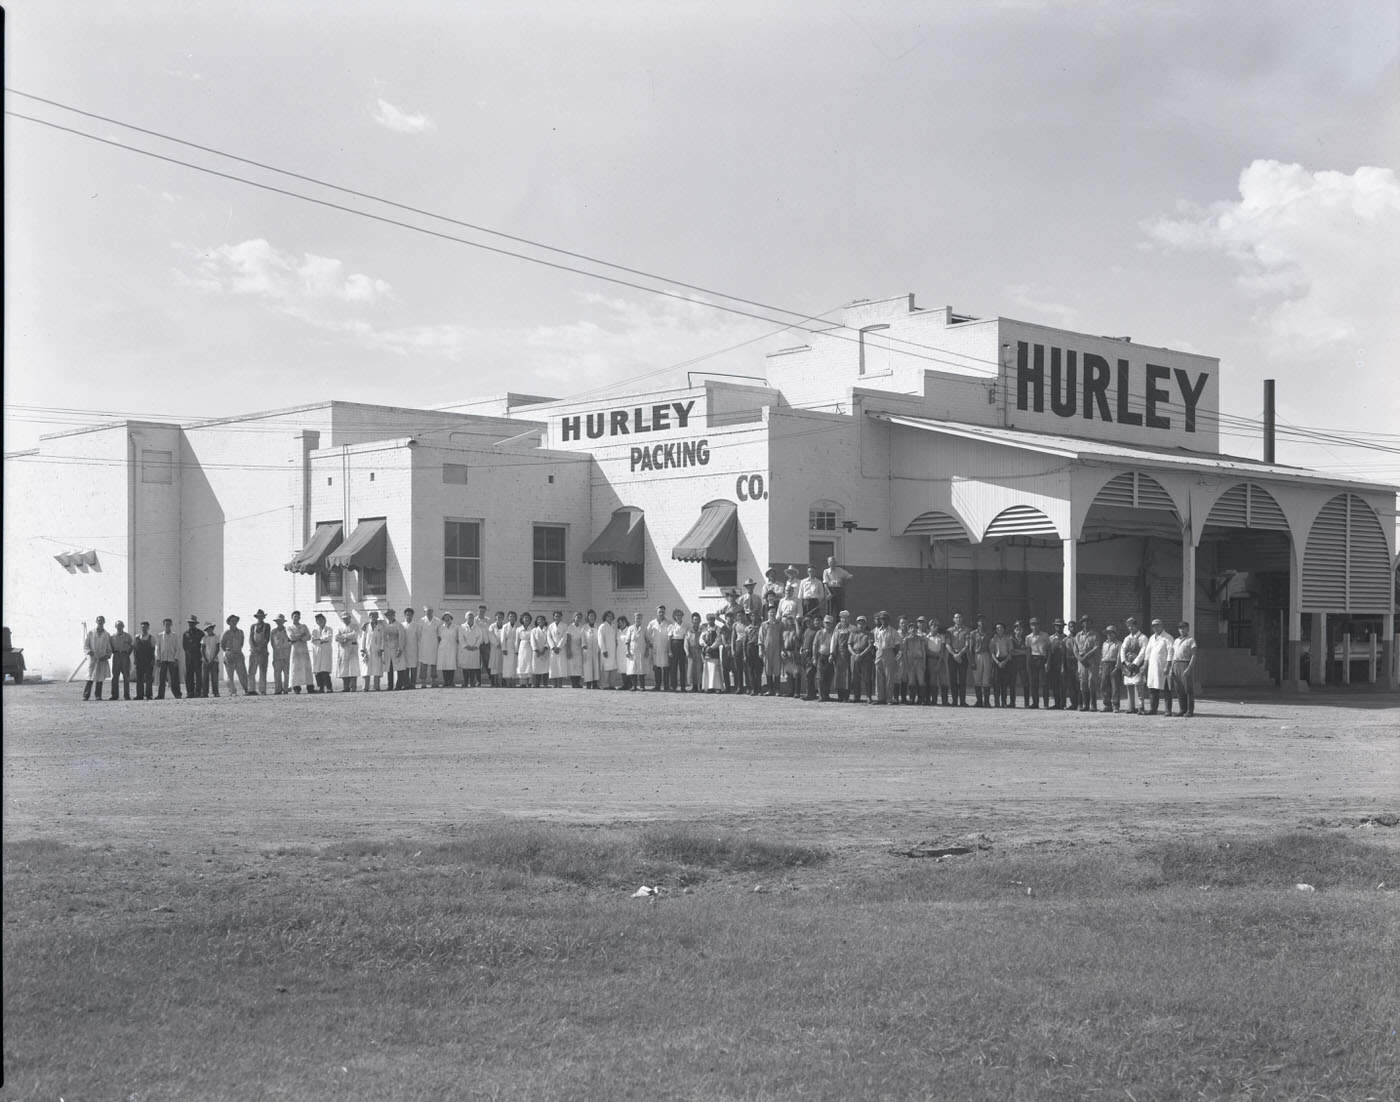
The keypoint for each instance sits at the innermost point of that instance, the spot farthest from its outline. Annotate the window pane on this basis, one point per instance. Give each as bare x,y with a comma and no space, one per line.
629,576
454,473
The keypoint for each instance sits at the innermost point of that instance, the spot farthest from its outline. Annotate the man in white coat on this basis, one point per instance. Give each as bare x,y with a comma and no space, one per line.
393,649
607,652
428,649
658,645
1158,665
98,648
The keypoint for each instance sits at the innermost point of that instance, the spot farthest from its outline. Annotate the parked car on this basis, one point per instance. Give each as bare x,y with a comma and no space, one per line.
13,660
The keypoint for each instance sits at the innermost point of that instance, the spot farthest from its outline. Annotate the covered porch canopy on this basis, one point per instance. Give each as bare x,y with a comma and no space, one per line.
980,483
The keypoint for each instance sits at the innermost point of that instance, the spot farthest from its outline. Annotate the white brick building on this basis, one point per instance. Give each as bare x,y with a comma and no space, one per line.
951,463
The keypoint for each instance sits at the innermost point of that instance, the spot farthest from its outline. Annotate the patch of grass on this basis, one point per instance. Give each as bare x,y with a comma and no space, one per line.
493,968
1322,860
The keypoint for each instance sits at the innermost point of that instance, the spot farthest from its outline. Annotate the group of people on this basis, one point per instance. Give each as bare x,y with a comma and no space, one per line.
786,639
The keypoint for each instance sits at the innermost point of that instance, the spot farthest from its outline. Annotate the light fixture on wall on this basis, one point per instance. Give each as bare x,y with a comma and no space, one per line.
853,526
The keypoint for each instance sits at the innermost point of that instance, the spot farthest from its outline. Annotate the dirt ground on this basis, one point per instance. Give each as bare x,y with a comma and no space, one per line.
246,774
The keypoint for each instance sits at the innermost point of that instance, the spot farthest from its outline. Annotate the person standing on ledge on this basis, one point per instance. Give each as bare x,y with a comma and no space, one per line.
835,578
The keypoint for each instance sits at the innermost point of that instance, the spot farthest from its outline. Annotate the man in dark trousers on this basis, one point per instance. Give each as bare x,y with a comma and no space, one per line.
193,642
259,637
121,661
143,652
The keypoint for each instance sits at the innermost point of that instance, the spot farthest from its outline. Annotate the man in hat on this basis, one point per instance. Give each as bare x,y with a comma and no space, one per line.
751,602
259,639
835,578
821,651
231,643
1184,669
168,660
98,648
979,649
121,661
394,648
915,656
1020,665
959,646
209,658
1056,649
143,653
1037,657
1157,666
408,673
193,644
840,651
281,644
812,593
772,590
1088,650
999,647
862,653
936,646
1111,670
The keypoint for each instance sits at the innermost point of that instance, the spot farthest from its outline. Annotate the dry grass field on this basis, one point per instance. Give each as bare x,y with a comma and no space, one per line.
430,895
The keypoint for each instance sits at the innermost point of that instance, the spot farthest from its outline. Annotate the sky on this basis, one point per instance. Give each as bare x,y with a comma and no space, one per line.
1214,177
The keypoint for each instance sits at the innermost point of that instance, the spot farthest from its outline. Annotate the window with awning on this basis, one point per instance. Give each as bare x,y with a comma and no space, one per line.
714,538
367,548
312,558
623,541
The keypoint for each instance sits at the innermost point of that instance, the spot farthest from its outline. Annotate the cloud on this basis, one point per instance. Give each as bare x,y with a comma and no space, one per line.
1044,306
289,282
1319,252
386,114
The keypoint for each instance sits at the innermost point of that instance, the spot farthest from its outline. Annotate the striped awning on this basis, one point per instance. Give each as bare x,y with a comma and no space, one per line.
366,549
714,537
624,540
312,557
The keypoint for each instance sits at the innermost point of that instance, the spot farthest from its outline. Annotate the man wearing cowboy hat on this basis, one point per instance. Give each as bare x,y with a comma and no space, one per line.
192,642
751,602
281,656
259,638
231,643
772,589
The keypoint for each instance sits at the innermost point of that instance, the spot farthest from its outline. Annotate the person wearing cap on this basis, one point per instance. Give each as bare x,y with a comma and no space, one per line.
1020,665
347,646
192,642
427,629
1130,657
1111,670
209,656
713,681
1037,655
772,591
888,645
959,646
98,647
1088,648
770,647
259,639
322,653
121,661
231,644
914,652
752,602
393,650
300,637
840,651
999,647
835,578
168,650
936,649
1157,665
143,653
862,651
821,656
741,630
1056,663
281,645
812,593
1184,669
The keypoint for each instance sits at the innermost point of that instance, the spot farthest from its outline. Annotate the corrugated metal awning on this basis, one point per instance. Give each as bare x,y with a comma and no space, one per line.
312,557
622,541
367,547
714,537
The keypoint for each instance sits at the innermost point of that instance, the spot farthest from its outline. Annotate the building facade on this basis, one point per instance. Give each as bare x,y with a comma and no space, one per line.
986,466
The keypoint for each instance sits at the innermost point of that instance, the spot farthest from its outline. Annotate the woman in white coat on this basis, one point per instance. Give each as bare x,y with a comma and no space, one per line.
576,650
322,653
607,652
470,636
347,641
558,651
539,643
1157,656
509,637
447,650
525,651
591,662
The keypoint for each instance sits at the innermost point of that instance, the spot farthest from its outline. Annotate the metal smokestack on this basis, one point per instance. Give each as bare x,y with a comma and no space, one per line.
1268,420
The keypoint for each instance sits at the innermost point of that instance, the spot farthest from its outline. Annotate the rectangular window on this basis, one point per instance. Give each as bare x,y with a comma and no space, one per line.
627,575
821,520
157,466
461,558
454,474
330,583
549,560
374,582
720,575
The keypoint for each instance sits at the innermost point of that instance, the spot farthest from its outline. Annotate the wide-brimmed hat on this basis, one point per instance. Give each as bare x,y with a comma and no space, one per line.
193,619
260,615
749,583
208,627
279,619
232,618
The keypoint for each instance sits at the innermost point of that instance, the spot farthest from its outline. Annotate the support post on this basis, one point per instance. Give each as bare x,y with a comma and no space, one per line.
1346,659
1188,579
1388,649
1071,574
1317,669
1295,619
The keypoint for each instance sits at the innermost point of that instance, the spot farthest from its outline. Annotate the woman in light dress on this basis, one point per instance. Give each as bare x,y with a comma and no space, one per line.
607,652
447,650
322,652
592,663
469,639
524,651
300,636
508,639
539,641
575,649
496,636
558,651
636,666
372,651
